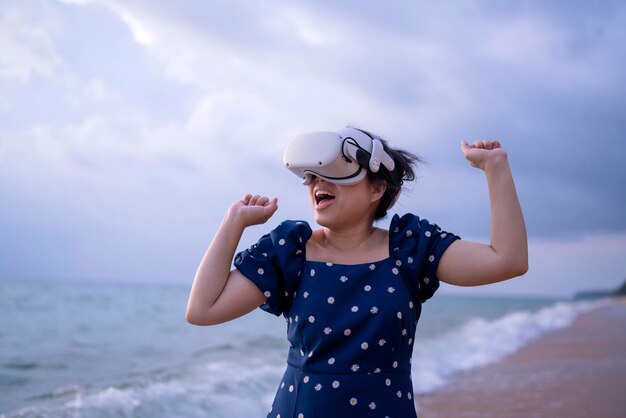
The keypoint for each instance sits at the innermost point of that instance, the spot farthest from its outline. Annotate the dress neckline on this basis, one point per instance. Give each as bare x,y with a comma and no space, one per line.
393,230
330,264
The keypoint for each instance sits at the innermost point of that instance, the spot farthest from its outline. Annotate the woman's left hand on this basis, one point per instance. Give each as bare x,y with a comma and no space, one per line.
481,153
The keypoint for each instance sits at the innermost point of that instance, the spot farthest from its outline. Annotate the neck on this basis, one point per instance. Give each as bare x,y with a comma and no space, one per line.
348,239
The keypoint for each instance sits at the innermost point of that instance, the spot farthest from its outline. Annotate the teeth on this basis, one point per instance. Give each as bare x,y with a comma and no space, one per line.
320,194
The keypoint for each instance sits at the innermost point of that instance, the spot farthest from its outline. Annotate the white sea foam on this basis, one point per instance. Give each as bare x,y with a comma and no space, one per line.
480,342
217,389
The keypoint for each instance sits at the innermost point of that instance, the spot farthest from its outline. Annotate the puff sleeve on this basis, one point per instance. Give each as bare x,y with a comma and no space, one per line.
418,245
274,264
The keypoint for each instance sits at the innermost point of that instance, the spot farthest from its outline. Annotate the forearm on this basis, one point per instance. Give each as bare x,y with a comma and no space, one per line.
508,231
214,269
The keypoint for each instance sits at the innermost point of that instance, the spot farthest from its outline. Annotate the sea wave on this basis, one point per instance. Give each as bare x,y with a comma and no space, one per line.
480,342
218,389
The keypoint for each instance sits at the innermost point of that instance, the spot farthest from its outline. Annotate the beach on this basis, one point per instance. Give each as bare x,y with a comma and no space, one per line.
577,371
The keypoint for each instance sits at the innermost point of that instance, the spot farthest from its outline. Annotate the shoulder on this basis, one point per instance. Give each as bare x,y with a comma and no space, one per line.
410,230
405,224
293,232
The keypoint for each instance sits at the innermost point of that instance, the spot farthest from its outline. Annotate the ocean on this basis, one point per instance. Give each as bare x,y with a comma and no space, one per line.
82,350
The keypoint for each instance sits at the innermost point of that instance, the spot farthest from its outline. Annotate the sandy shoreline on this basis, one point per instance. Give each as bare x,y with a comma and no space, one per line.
579,371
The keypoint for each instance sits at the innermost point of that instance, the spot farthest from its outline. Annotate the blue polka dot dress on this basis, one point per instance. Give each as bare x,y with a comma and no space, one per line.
351,327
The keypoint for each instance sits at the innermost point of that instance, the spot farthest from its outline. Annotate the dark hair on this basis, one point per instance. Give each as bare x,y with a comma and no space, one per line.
403,171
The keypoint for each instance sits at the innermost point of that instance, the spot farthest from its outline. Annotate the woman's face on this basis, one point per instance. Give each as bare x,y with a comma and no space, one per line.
338,206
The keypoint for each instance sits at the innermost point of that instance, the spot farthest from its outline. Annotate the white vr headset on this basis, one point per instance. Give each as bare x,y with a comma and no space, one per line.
338,157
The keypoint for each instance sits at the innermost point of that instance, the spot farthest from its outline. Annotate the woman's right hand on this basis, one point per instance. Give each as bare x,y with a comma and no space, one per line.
253,210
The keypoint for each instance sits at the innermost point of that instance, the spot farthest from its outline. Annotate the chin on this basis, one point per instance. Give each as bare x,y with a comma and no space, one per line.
323,219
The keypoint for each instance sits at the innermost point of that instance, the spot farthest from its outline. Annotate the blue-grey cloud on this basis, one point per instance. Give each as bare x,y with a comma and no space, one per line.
126,129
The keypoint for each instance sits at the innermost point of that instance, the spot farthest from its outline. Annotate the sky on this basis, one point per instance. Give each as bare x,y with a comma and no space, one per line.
127,128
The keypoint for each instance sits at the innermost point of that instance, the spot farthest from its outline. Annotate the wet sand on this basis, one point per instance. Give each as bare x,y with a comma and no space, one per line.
579,371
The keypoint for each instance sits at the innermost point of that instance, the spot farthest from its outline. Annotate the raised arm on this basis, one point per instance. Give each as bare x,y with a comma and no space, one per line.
217,293
467,263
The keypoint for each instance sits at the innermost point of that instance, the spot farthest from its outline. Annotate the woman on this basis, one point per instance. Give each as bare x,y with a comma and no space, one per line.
351,293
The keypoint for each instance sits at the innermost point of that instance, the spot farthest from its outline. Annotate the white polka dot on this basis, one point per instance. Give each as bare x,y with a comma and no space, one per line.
260,271
300,415
310,354
281,242
318,387
306,379
372,405
391,289
343,279
444,235
312,272
290,320
396,229
377,370
331,360
399,315
355,309
311,319
408,395
327,330
296,318
347,332
409,260
267,293
367,288
388,382
394,270
427,233
398,263
372,267
298,252
355,367
409,233
305,295
395,365
410,341
278,416
381,342
301,353
336,384
364,346
431,258
282,385
290,388
411,304
374,309
404,331
331,300
353,401
399,394
329,264
426,280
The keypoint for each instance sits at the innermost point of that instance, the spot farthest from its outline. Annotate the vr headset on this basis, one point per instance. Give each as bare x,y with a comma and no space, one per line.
338,157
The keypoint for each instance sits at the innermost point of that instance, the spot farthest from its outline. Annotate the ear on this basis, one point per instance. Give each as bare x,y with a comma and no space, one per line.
378,189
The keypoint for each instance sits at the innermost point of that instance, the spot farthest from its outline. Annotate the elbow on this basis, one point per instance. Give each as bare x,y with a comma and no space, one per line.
195,318
520,268
192,319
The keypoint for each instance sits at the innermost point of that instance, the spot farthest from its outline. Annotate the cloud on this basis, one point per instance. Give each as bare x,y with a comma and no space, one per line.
560,268
26,43
183,107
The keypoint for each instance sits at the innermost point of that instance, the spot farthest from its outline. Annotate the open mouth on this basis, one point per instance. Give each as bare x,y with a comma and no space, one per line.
323,197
